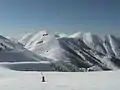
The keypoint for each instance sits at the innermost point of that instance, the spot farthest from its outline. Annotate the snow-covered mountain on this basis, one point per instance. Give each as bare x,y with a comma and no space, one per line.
75,52
14,51
14,56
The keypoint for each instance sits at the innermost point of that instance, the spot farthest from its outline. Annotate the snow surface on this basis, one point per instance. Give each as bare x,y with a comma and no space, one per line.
19,80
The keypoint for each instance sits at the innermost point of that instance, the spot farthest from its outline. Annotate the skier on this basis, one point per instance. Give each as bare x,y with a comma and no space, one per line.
43,78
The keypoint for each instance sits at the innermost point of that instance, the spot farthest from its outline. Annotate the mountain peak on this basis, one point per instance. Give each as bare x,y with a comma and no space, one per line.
76,35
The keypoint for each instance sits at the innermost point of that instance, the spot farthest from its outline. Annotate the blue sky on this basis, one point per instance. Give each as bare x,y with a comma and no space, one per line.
66,16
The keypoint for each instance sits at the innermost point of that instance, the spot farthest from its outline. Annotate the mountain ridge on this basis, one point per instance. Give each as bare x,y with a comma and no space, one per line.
69,53
83,50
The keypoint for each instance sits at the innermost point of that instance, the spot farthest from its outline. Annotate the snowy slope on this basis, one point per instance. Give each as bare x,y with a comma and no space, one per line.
43,44
12,80
73,52
14,52
114,44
